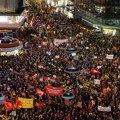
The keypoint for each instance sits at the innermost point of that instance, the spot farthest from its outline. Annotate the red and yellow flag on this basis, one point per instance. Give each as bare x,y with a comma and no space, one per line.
25,102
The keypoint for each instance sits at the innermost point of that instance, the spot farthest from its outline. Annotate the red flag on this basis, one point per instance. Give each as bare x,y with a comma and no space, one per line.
39,104
95,71
14,105
18,103
8,106
39,92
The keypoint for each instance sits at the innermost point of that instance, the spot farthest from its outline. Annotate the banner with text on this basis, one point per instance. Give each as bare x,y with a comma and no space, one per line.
110,57
58,42
57,91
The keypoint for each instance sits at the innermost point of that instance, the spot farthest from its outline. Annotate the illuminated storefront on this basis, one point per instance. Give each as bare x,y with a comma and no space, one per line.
10,23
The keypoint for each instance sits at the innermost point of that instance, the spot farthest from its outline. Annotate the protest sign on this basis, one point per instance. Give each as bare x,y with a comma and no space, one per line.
95,57
104,109
73,54
96,82
58,42
110,57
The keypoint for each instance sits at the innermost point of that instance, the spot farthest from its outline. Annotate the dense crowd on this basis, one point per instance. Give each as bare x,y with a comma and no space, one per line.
16,72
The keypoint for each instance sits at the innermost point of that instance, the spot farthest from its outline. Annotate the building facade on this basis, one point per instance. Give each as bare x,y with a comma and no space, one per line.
104,14
12,16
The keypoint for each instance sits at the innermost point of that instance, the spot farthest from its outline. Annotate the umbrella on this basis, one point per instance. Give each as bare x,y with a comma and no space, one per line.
68,95
72,69
71,50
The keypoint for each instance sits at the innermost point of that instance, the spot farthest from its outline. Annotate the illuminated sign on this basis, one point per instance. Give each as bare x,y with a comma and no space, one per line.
2,31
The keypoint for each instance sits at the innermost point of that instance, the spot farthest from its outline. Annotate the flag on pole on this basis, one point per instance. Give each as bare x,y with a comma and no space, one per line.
95,71
39,92
7,105
39,104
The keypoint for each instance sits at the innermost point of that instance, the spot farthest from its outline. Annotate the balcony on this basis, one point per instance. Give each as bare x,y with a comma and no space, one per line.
111,23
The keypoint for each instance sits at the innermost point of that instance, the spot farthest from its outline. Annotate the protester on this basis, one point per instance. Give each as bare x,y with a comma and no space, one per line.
43,63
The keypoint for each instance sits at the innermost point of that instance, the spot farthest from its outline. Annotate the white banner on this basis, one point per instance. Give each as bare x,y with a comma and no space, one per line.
98,67
87,48
57,56
95,57
109,56
73,54
104,109
96,82
60,41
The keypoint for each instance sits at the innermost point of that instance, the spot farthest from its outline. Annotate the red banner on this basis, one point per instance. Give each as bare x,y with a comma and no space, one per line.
57,91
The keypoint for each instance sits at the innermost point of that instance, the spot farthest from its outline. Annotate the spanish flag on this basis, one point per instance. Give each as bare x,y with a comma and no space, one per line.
26,102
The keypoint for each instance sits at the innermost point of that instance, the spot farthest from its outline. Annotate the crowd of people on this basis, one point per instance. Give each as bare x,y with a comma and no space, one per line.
47,62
